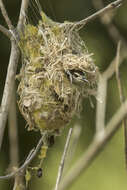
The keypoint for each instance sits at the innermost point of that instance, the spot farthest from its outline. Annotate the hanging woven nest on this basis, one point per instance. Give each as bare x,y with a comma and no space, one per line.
57,72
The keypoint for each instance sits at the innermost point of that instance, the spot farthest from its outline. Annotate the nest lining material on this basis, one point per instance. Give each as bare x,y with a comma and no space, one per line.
57,72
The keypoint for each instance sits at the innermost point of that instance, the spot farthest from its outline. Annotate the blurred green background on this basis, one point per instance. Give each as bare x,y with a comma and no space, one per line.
107,172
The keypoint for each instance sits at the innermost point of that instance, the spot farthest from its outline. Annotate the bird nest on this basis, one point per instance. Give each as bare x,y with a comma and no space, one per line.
57,72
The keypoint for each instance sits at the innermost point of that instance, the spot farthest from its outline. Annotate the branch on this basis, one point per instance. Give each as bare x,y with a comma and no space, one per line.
61,167
6,17
122,99
13,132
112,68
72,147
23,9
28,160
13,140
106,20
109,7
102,93
5,31
8,88
94,149
101,105
10,78
14,57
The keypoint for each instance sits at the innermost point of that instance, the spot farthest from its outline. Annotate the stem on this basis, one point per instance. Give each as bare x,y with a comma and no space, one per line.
5,15
22,16
28,160
5,31
8,88
61,167
109,7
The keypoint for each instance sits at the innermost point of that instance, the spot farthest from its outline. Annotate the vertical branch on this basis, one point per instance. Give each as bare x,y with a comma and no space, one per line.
22,15
13,140
8,88
13,132
122,98
101,105
14,57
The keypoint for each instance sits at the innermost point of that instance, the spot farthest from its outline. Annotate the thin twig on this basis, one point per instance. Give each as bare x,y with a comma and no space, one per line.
109,7
106,20
61,167
98,143
111,68
122,98
28,160
5,31
22,15
8,88
72,147
5,15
